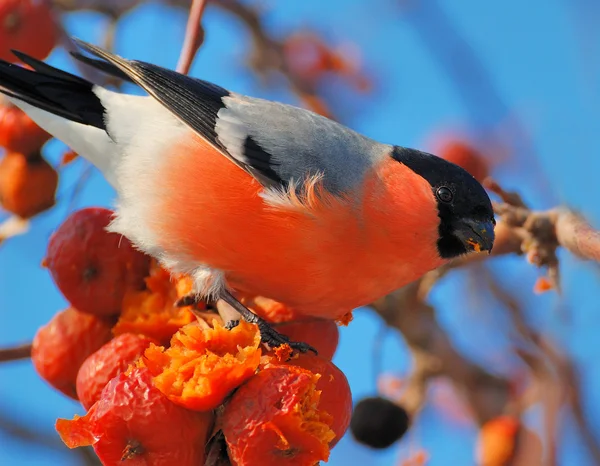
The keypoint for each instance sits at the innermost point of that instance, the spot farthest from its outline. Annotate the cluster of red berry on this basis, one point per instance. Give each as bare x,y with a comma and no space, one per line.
159,381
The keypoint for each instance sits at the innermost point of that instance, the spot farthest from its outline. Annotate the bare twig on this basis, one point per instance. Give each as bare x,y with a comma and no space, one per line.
405,310
549,388
15,353
570,377
18,427
114,8
268,55
541,233
13,226
574,233
194,36
518,231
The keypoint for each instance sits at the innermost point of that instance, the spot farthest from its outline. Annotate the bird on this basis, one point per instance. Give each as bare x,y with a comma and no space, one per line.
255,197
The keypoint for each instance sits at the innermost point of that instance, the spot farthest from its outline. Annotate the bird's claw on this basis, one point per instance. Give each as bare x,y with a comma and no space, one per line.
268,335
231,324
271,337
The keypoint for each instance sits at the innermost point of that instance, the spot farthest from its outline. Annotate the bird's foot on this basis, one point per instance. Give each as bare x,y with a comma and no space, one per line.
231,324
268,334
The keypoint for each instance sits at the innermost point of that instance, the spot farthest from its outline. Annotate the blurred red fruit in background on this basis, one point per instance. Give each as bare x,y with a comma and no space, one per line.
18,132
496,441
466,156
27,184
27,26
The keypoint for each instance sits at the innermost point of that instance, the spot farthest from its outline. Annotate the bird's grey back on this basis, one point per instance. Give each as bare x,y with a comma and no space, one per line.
301,143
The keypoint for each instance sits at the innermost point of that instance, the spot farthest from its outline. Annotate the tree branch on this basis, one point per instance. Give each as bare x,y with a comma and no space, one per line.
194,36
15,353
575,234
406,311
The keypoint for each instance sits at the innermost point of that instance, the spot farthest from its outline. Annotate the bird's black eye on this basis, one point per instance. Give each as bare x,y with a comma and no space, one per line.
444,194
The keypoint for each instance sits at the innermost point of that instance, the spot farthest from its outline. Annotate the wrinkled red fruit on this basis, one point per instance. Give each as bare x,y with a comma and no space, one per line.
321,334
61,346
106,363
275,419
336,398
92,267
134,424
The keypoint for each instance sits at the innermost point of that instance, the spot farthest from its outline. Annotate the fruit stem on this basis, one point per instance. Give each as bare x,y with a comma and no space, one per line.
132,449
194,36
15,353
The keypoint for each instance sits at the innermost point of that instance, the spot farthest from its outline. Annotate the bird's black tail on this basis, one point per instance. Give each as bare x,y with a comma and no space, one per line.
53,90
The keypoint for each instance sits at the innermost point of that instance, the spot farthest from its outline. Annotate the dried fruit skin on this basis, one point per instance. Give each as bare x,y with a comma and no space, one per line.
336,397
203,365
106,363
274,420
61,346
18,132
27,26
27,184
134,424
322,334
92,267
152,312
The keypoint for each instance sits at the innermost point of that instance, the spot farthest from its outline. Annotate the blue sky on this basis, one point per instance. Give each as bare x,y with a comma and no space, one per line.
536,62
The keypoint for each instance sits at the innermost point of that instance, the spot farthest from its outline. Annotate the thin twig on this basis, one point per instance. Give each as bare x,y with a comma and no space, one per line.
194,36
575,234
15,353
550,388
18,427
406,311
570,375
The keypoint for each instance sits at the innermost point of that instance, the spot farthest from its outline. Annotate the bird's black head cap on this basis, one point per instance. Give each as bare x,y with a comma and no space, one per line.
465,210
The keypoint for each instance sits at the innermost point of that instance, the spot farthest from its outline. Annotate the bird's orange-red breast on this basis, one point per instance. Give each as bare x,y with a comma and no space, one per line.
323,255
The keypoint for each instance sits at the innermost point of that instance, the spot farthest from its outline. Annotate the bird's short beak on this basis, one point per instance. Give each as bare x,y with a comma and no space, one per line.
476,235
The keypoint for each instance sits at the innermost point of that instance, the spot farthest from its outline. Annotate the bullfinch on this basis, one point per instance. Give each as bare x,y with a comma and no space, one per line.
255,196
